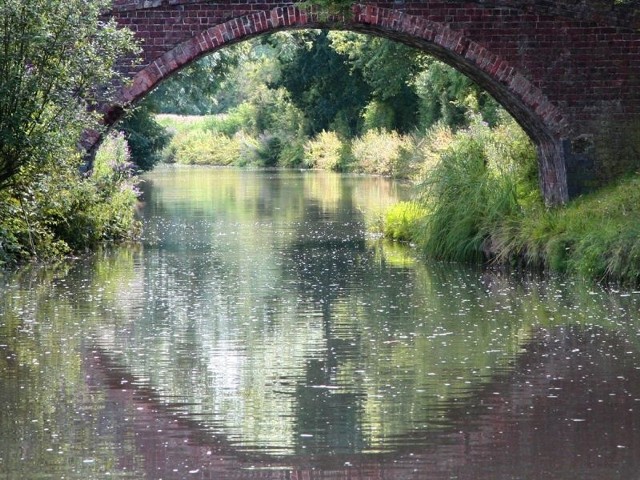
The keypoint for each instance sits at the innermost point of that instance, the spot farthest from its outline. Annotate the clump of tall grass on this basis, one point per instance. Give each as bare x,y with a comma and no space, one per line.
402,221
472,181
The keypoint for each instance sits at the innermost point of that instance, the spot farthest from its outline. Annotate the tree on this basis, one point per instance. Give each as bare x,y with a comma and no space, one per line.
321,85
388,68
57,60
194,90
447,95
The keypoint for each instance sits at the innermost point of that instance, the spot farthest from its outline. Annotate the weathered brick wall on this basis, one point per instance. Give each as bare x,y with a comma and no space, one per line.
569,71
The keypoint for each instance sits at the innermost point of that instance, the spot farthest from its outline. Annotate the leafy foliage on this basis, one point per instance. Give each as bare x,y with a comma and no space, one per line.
50,211
285,88
388,69
195,90
56,59
321,85
199,147
446,96
145,136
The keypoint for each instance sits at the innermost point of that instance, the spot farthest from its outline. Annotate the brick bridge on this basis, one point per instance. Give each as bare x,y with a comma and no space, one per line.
568,71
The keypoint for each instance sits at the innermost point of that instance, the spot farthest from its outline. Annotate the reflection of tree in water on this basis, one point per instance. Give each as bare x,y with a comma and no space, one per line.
324,262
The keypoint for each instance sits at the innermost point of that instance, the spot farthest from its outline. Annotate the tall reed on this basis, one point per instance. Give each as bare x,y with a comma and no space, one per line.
470,186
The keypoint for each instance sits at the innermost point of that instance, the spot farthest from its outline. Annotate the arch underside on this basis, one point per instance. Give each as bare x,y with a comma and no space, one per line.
543,121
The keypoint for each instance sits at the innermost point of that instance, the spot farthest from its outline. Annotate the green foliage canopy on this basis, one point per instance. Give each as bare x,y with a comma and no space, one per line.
57,59
324,88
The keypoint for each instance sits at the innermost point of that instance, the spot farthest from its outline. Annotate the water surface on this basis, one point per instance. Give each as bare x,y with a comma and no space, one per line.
260,331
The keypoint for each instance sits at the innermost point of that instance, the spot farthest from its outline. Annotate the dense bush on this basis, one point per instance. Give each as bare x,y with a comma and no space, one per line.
326,151
380,152
267,132
242,117
378,115
57,59
51,211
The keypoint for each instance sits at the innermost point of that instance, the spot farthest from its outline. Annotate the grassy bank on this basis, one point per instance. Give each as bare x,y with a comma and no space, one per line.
479,201
596,236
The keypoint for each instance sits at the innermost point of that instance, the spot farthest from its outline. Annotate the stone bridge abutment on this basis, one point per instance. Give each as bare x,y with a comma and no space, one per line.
569,72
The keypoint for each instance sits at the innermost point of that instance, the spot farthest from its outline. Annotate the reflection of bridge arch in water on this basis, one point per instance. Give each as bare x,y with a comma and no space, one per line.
546,408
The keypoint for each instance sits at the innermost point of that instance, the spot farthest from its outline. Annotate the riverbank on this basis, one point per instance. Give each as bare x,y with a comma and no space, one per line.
479,201
596,236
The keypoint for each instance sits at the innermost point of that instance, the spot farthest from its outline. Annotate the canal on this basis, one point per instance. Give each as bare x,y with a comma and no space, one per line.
261,330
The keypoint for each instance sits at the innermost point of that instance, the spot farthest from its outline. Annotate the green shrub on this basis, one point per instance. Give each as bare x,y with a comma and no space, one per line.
237,137
325,151
249,149
292,153
51,210
379,152
100,208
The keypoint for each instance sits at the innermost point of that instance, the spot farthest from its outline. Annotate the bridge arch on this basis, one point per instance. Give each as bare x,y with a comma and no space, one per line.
544,122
